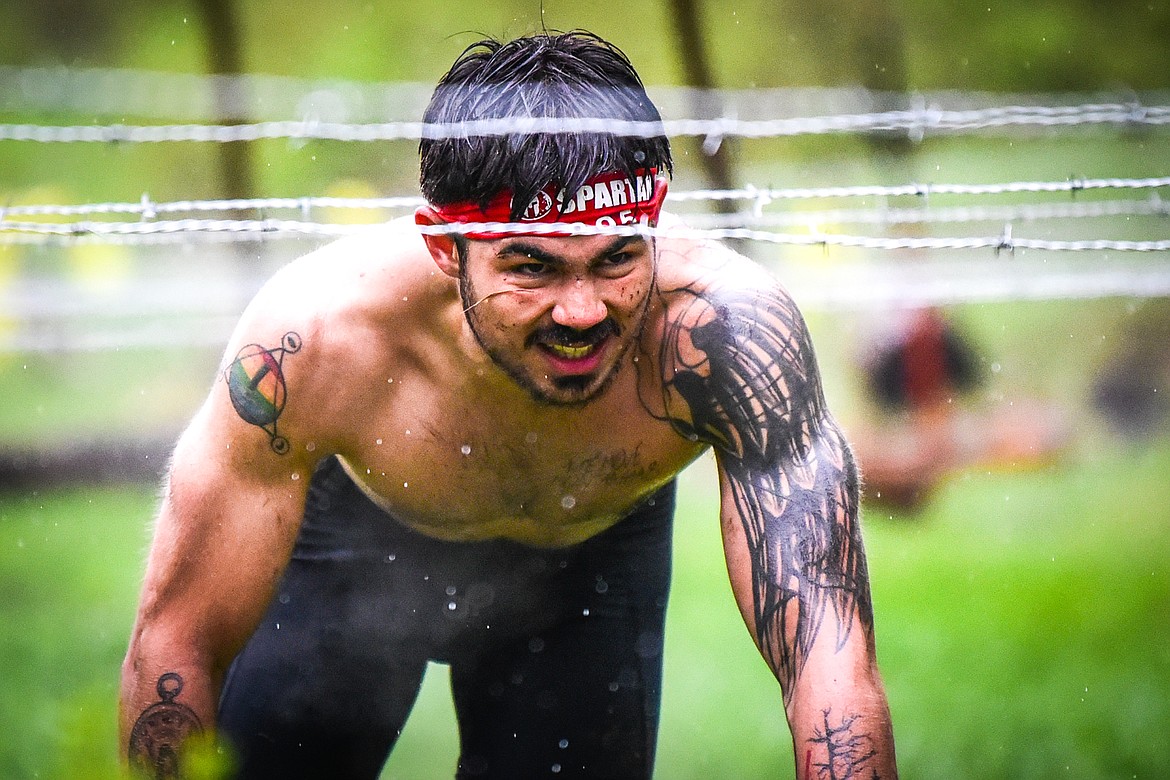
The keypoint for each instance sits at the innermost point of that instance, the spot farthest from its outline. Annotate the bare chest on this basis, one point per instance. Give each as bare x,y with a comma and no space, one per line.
463,471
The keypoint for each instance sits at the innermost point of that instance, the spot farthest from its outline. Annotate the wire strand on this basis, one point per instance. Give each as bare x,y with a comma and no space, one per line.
916,122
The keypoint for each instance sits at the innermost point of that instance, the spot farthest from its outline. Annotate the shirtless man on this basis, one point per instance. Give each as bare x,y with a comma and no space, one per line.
462,448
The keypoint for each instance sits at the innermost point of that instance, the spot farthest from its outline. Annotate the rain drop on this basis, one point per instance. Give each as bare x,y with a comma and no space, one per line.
378,442
568,502
465,449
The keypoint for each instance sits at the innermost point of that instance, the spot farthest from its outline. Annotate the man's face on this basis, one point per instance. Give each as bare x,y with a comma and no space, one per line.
558,315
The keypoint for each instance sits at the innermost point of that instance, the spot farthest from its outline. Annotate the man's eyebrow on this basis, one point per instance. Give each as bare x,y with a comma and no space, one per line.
536,252
528,249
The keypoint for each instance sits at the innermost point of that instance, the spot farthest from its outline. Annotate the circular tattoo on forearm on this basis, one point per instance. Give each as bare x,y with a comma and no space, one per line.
160,731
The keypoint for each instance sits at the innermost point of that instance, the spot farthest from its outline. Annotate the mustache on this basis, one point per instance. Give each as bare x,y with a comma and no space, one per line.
564,336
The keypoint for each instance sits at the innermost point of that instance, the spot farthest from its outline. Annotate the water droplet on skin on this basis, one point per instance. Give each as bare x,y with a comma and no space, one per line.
392,557
556,768
405,484
295,477
585,612
390,381
564,743
451,606
465,449
310,446
378,442
408,431
530,437
568,502
451,590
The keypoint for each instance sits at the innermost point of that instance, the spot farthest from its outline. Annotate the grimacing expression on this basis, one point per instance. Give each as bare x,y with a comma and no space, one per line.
558,315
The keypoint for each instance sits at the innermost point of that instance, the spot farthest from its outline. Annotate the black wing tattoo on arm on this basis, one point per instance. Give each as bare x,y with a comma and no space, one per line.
743,363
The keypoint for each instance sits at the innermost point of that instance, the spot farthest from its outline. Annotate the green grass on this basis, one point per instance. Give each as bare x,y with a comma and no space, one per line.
1023,626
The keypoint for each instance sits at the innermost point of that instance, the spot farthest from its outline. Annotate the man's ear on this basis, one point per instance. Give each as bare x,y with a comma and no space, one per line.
441,245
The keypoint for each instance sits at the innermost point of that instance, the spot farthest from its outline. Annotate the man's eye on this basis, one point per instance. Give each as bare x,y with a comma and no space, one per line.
530,269
617,263
618,260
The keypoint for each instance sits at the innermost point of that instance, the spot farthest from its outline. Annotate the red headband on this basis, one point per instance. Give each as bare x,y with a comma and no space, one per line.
607,199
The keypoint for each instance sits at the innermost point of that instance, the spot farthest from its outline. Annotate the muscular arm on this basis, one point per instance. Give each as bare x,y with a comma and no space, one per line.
228,518
740,374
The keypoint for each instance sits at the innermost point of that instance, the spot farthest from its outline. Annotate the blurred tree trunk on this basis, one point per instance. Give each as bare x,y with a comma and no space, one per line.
225,58
696,64
860,42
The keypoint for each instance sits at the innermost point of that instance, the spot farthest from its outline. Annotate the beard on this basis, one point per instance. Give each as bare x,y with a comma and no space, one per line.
566,391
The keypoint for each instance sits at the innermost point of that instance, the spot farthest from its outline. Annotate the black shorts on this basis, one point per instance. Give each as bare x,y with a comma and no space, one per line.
555,654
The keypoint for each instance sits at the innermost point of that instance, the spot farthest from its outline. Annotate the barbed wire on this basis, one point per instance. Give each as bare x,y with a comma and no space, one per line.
1002,242
886,216
915,122
761,197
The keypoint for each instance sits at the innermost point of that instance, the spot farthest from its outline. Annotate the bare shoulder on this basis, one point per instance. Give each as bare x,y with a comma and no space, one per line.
307,343
736,361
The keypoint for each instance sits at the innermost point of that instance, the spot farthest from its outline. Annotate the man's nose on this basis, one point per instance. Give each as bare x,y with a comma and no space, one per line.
578,306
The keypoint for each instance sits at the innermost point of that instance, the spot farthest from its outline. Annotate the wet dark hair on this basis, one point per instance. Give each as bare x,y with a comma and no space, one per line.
550,75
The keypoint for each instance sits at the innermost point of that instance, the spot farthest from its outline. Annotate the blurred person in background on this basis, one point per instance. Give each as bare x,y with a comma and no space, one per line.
924,376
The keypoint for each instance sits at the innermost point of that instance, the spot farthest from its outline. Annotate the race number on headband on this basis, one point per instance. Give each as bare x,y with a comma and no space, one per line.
608,199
